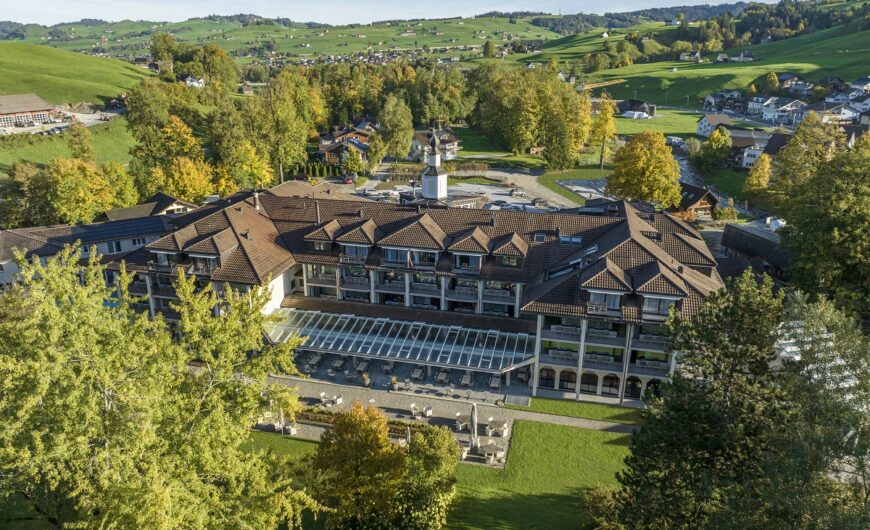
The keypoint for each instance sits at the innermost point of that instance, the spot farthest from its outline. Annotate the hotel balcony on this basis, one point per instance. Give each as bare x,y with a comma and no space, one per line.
425,288
649,367
138,288
560,332
603,362
601,309
357,283
352,259
499,295
163,291
650,342
560,357
392,286
327,280
605,337
462,293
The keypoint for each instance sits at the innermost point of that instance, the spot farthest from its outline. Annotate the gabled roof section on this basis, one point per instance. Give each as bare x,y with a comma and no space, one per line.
657,279
423,233
364,233
324,232
154,205
605,274
475,240
510,245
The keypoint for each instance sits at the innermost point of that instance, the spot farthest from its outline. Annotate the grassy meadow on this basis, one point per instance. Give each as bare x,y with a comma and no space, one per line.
60,77
111,140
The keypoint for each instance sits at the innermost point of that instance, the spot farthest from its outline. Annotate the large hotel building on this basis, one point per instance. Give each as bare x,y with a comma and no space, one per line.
557,304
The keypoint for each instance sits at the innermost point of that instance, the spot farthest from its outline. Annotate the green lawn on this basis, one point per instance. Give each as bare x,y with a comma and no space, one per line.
582,409
549,466
280,444
478,148
728,181
112,141
669,122
61,76
549,180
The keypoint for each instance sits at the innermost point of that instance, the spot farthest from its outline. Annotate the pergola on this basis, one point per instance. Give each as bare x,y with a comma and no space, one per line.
454,347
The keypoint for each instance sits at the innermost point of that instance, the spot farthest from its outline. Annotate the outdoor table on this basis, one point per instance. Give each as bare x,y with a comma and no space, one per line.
337,364
361,367
417,373
441,377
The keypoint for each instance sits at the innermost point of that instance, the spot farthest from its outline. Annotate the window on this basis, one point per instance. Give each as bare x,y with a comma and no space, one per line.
354,251
114,247
206,265
321,245
570,240
424,258
539,237
510,261
162,259
657,306
607,301
138,241
395,255
467,263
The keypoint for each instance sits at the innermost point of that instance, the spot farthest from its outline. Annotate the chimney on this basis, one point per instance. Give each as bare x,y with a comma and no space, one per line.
419,208
359,213
256,200
317,209
558,231
492,220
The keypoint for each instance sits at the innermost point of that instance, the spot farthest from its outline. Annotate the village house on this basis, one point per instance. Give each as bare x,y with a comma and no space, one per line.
449,144
691,57
862,83
635,109
157,204
333,153
24,109
744,144
829,112
782,111
709,122
724,100
770,147
788,80
696,200
861,104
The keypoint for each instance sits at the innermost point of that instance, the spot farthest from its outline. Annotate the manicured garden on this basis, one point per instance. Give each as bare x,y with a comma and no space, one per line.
549,467
582,409
477,147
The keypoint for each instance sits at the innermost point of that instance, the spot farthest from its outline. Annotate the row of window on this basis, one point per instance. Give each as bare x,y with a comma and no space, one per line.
612,302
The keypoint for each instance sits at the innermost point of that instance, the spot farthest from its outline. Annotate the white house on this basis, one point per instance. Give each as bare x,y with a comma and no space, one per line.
708,123
861,104
862,83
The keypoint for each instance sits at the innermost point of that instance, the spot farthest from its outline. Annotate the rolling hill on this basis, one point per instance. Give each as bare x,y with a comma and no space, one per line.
61,76
840,51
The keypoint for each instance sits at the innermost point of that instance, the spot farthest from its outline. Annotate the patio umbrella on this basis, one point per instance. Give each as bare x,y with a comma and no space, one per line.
408,435
474,440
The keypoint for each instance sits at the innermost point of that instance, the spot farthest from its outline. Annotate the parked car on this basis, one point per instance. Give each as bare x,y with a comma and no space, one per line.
347,180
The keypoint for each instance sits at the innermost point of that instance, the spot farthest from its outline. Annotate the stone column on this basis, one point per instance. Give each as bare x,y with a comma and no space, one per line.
581,352
407,289
373,296
338,294
536,365
600,385
479,307
518,300
444,281
305,280
626,358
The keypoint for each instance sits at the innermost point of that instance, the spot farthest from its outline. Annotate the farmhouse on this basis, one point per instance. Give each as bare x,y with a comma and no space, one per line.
24,109
696,200
788,80
690,56
635,108
708,123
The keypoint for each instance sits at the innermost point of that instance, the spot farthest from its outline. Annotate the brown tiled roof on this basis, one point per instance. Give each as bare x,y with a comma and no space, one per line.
324,232
421,233
656,279
510,245
154,205
365,232
475,240
604,274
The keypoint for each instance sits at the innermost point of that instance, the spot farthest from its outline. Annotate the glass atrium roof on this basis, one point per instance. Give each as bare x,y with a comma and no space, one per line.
402,341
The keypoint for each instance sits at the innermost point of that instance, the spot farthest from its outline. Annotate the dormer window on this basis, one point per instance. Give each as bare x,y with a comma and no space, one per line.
204,264
603,302
539,237
571,239
466,263
395,255
164,260
510,261
423,258
320,245
657,306
114,247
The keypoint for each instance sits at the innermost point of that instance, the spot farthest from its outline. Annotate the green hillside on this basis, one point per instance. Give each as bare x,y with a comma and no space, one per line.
128,39
63,77
839,51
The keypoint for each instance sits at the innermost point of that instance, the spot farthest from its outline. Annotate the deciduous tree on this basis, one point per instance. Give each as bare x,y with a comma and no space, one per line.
759,176
398,127
81,142
604,128
645,169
